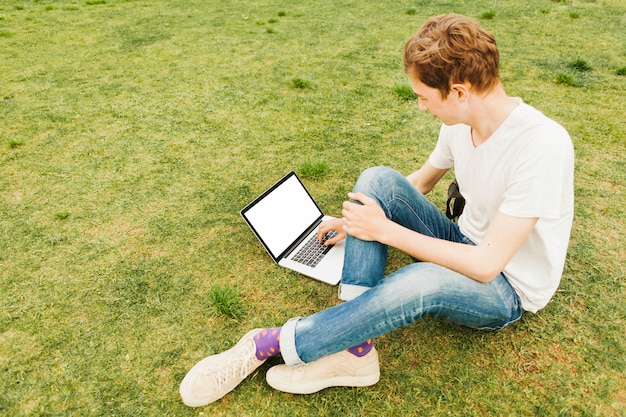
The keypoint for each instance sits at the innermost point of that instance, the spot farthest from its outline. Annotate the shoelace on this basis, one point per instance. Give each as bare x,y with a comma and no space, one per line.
241,364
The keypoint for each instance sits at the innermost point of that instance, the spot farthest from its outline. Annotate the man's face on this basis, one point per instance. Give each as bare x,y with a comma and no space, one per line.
430,100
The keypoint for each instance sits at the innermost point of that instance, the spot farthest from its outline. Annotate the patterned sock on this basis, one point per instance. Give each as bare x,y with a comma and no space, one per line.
362,349
267,343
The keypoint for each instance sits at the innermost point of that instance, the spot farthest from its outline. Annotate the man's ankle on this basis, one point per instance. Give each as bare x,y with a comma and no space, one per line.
362,349
267,343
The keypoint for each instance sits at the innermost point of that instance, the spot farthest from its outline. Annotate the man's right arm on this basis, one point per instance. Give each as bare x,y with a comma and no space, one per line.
425,178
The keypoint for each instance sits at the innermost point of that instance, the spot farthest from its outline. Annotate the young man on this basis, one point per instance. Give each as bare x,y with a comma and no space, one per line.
514,167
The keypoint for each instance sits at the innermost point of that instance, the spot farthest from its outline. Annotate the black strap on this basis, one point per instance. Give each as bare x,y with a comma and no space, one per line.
455,203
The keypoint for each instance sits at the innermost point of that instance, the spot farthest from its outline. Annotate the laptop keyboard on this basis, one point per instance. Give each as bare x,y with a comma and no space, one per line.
312,252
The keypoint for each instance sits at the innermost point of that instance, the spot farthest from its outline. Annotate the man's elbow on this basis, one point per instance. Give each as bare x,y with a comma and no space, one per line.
486,273
486,264
486,278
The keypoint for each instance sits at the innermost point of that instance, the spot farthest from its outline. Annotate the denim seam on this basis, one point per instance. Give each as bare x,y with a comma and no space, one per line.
410,208
476,314
467,311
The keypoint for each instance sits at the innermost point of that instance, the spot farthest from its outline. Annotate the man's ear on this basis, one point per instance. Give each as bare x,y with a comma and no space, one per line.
461,91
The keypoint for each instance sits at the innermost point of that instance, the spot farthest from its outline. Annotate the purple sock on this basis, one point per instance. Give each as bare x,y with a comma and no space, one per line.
267,343
362,349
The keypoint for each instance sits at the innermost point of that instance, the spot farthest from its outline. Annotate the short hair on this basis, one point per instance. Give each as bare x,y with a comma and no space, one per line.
450,49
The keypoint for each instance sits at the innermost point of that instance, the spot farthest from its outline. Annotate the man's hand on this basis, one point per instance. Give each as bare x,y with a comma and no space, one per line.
327,226
365,221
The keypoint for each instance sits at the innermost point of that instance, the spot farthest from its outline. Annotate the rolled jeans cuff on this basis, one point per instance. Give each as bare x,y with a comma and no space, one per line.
288,343
348,291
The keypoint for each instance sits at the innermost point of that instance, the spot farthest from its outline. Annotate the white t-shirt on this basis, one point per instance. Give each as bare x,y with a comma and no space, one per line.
525,169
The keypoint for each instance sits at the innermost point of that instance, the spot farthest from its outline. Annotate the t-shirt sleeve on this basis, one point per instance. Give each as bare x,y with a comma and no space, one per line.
442,156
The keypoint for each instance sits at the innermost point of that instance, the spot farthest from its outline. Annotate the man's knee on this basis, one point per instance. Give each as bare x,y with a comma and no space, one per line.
373,178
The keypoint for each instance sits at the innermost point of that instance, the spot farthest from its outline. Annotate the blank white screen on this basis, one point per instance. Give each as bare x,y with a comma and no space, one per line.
283,215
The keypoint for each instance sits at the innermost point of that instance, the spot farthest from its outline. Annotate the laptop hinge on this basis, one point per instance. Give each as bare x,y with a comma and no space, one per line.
300,238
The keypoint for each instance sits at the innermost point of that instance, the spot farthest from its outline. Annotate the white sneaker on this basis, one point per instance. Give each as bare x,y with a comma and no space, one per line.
217,375
341,369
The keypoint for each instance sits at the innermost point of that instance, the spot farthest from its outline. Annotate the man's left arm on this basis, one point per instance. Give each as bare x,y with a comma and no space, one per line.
482,262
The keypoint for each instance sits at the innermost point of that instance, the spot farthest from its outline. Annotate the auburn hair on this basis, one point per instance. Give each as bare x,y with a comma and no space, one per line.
451,49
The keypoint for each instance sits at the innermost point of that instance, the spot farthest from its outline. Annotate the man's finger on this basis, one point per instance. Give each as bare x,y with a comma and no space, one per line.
360,197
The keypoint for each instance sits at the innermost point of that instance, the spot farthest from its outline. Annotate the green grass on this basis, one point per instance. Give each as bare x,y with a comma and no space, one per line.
226,301
313,169
404,92
580,65
133,132
563,78
488,15
302,83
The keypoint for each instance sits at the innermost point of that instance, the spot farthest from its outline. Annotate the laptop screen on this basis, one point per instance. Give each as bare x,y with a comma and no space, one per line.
282,214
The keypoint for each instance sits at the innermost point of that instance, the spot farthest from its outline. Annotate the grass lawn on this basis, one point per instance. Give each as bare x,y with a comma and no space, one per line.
133,131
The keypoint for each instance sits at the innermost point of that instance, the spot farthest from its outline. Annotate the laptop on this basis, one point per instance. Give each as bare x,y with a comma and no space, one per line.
285,219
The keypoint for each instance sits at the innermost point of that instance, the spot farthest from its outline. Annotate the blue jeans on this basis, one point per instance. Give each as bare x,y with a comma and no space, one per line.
376,305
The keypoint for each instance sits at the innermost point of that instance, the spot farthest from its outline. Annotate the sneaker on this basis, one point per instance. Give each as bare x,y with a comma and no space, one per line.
341,369
217,375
